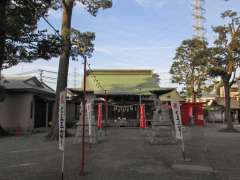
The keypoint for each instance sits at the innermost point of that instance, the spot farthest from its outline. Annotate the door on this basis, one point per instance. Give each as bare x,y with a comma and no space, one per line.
40,113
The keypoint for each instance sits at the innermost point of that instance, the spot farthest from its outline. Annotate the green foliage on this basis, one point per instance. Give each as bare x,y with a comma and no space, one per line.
190,66
225,57
84,41
76,39
30,47
92,6
225,54
24,43
19,37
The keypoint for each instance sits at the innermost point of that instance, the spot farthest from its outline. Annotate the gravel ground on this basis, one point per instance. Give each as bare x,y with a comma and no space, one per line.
124,154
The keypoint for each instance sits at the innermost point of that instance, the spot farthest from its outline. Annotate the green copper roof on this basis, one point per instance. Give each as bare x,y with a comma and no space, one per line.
131,82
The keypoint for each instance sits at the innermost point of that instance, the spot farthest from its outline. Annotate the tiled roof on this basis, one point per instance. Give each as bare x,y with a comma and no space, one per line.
221,102
29,84
123,82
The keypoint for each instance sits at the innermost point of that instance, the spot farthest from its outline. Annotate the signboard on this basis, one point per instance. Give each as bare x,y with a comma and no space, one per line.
62,119
177,119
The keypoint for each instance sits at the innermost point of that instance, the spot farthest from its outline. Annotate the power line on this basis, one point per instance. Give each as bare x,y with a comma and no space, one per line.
51,82
53,72
27,72
49,77
97,82
45,19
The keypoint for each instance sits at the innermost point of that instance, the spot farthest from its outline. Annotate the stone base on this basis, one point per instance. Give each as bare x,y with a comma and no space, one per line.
163,141
93,139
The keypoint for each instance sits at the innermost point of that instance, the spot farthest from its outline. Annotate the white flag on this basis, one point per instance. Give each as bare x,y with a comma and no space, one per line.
177,119
89,116
62,119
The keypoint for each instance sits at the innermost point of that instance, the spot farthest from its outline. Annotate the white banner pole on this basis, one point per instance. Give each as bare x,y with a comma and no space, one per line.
178,125
183,149
62,126
63,158
89,115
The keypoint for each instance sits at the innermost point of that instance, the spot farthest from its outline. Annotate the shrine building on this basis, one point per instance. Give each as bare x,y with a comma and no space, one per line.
120,93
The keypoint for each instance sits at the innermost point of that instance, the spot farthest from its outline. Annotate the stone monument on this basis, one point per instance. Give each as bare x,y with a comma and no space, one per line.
162,130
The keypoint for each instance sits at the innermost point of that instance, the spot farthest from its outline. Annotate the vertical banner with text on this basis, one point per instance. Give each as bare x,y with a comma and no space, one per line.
177,119
142,117
99,115
89,118
62,119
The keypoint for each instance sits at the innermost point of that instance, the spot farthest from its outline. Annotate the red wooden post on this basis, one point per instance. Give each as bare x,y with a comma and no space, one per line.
83,119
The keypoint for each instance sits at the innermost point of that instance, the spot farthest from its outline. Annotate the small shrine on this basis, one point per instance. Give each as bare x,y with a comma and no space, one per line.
119,98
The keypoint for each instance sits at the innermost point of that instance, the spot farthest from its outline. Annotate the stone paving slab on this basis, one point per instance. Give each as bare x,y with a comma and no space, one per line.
192,167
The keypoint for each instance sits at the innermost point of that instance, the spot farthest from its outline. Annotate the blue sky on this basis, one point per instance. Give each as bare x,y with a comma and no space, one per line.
135,34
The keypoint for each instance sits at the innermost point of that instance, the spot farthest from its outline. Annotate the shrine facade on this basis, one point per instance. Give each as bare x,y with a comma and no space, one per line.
119,93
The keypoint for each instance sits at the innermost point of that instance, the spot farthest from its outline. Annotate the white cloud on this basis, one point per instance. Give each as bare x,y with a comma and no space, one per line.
79,8
103,50
152,3
119,49
56,14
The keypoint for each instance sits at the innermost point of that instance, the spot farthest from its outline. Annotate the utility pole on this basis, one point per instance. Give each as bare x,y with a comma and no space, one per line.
83,117
41,75
199,18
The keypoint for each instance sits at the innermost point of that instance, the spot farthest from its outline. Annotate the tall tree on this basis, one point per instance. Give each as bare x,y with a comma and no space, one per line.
92,6
190,67
225,57
19,39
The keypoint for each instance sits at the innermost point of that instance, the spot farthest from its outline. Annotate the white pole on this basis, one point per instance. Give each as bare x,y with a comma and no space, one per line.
178,125
183,149
62,126
89,119
63,157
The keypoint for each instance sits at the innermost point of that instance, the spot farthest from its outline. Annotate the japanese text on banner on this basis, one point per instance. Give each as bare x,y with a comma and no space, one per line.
62,119
177,119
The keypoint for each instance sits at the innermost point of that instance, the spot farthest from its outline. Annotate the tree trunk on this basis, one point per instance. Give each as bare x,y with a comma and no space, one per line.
63,64
3,4
193,86
193,97
228,117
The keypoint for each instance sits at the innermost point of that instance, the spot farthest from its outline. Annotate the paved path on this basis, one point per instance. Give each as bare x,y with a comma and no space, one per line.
223,152
124,154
